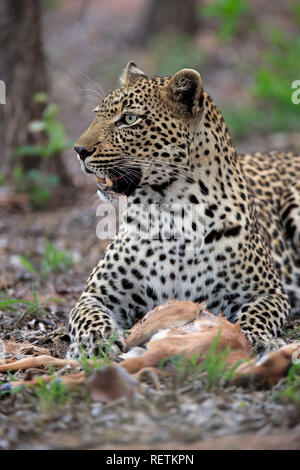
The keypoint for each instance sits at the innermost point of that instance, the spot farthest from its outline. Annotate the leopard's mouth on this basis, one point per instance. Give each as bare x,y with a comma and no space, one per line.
123,184
107,183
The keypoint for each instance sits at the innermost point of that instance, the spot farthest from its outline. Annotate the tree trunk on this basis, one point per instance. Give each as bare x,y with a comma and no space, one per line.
170,16
22,68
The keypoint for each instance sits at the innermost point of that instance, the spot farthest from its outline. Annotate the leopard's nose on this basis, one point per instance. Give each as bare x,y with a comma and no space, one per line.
82,152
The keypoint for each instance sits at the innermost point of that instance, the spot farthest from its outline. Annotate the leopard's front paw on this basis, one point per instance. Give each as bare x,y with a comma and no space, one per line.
98,345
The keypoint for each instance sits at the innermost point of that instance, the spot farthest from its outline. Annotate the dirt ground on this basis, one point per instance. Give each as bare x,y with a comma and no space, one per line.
178,415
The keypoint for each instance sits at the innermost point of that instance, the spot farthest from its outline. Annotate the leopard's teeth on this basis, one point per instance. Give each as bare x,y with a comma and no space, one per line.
109,182
99,180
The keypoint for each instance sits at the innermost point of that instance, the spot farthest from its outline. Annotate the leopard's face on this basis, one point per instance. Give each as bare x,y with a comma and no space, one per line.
141,132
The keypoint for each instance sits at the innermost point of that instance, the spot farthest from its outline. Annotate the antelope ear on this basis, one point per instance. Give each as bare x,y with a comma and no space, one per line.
131,74
185,90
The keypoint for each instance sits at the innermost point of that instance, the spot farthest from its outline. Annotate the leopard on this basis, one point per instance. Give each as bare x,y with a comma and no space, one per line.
161,142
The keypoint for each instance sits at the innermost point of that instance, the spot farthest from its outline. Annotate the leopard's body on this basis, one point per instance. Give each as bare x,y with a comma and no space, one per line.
163,141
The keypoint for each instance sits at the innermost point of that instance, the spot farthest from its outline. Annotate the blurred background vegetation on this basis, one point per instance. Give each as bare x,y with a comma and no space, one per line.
58,57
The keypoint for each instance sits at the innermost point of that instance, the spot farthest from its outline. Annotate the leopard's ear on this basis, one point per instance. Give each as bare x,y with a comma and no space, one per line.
131,74
185,90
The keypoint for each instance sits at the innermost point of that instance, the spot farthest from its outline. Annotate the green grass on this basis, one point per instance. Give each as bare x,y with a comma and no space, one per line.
52,395
90,364
185,368
291,390
32,307
53,260
215,365
214,369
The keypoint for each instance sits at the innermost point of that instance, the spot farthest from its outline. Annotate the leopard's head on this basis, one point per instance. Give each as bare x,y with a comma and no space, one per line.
142,131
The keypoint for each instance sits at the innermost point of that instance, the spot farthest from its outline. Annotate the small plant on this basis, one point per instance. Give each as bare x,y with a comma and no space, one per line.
215,365
35,307
291,391
186,368
7,304
214,368
39,183
56,138
229,14
53,395
54,260
89,365
105,353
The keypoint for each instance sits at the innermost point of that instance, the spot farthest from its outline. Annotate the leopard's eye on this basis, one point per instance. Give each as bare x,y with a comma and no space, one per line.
130,118
127,119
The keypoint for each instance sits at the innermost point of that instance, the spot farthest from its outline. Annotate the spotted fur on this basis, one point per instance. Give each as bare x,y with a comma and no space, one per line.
179,150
